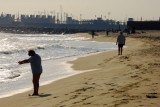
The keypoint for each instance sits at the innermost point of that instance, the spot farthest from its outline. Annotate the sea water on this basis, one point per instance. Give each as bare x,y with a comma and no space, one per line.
54,50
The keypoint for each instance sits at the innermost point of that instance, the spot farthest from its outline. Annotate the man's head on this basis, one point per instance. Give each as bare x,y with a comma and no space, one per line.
121,33
31,52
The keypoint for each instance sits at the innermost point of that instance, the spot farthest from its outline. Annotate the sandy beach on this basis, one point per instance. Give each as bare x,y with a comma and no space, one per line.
130,80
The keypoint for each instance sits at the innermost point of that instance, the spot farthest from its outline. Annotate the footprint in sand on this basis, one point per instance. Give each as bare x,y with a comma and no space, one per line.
74,96
88,97
134,76
152,95
56,97
84,89
104,93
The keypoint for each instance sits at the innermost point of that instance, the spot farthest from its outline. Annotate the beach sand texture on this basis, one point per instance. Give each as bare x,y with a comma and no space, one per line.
130,80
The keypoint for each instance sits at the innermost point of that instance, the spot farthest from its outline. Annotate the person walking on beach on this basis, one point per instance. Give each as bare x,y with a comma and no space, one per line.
93,34
120,41
35,62
107,32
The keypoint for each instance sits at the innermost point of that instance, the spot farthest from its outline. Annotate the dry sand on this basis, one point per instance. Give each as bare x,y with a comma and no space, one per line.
130,80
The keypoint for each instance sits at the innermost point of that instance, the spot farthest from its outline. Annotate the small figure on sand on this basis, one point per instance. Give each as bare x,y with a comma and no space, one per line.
35,62
107,32
120,41
93,34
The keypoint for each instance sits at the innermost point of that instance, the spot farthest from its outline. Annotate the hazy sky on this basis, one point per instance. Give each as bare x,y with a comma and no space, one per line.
118,9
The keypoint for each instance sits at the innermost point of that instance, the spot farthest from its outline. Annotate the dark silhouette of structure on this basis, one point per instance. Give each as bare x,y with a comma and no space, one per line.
143,25
54,24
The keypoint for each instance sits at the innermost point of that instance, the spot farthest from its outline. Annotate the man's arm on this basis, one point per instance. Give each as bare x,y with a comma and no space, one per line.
124,40
24,61
117,41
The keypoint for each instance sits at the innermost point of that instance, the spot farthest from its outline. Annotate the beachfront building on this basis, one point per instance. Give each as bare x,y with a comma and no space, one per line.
143,25
69,20
7,20
37,21
53,22
96,24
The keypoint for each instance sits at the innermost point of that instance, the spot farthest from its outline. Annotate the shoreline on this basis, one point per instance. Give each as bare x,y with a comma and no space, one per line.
121,81
66,67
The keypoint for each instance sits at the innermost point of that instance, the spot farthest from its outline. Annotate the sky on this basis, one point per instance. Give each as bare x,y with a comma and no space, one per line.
119,10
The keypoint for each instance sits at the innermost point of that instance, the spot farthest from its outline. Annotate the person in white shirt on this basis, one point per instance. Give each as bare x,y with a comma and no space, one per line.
120,41
35,61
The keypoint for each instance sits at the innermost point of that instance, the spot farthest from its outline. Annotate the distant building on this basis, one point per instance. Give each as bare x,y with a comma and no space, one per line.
130,19
143,25
37,21
7,20
48,21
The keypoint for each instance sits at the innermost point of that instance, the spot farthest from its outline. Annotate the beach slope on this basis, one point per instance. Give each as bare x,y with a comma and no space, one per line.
130,80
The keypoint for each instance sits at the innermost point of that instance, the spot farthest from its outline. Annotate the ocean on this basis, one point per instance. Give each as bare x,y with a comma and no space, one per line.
54,49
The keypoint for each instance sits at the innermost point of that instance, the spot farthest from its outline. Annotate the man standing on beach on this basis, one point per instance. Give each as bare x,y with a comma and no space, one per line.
121,41
35,61
93,34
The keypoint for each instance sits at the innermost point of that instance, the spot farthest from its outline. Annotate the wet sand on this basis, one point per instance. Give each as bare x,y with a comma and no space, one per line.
130,80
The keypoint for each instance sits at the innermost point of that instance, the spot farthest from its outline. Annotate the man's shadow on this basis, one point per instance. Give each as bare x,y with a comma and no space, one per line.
45,95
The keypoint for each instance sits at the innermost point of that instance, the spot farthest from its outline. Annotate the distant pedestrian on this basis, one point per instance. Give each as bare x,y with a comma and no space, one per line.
120,41
35,62
93,34
107,32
